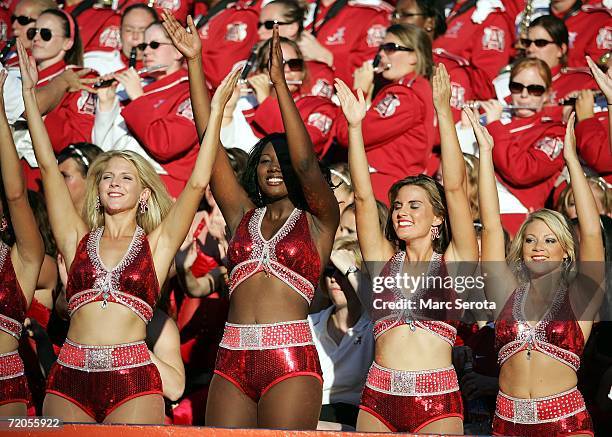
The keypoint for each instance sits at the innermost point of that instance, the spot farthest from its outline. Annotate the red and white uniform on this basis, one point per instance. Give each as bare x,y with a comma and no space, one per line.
72,120
227,38
590,33
320,79
478,42
398,132
162,121
98,28
568,80
593,145
528,156
353,35
318,114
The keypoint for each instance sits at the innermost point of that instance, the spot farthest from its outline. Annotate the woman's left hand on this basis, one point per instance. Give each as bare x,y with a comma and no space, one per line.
569,145
131,82
27,66
493,110
276,67
343,259
441,87
225,90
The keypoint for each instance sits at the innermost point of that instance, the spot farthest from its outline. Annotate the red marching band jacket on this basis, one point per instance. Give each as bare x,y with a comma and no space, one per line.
227,39
593,145
398,132
353,35
162,121
528,156
318,114
474,50
98,28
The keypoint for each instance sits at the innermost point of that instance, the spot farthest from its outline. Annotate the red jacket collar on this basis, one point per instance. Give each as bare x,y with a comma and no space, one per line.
168,81
50,72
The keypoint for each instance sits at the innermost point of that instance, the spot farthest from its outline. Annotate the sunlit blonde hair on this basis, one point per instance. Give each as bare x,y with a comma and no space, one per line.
159,202
559,226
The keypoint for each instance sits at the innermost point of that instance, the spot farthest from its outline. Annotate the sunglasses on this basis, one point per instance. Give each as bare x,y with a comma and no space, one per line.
269,24
22,19
45,33
539,43
153,44
399,15
533,90
390,47
329,270
295,64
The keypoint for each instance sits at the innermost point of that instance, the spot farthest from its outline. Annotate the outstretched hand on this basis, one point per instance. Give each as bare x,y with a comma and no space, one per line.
225,90
603,80
27,66
276,67
484,138
188,43
441,87
354,108
569,145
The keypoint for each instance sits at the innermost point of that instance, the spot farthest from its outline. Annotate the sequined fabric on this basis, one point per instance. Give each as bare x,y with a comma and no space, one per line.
99,392
437,322
558,415
557,335
255,371
290,255
412,383
397,397
13,383
13,304
132,283
266,336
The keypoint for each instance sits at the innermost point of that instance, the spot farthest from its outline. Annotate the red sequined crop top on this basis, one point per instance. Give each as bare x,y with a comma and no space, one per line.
557,335
132,283
290,255
430,320
13,304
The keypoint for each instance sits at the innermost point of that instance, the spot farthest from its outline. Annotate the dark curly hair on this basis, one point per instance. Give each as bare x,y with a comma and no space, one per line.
437,198
294,188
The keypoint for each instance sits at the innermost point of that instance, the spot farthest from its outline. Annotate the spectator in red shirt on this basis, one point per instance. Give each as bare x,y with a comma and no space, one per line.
290,16
398,129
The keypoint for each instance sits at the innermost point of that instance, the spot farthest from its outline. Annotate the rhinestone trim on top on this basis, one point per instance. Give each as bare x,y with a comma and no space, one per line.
263,257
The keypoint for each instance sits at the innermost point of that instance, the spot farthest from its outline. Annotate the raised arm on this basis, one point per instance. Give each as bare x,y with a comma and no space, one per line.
67,225
168,236
320,198
463,247
591,263
374,246
29,246
233,200
604,81
499,282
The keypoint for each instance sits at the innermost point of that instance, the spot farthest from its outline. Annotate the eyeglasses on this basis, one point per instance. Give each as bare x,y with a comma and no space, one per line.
269,24
390,47
295,64
45,33
329,270
22,19
533,90
399,15
153,44
539,43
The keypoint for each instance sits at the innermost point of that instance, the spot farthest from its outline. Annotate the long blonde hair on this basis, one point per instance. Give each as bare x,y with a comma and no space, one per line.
158,204
559,226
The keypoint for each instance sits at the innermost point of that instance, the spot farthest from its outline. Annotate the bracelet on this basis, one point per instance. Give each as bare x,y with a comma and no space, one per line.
351,269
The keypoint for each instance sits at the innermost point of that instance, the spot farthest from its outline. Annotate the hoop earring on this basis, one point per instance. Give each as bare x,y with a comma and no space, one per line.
435,233
428,29
143,206
3,224
98,203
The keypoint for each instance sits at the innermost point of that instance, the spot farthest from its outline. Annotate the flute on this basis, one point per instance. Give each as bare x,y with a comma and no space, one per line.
477,105
109,82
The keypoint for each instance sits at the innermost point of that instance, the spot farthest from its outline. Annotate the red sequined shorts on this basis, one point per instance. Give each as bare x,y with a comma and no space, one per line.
13,382
407,401
256,357
562,414
98,379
